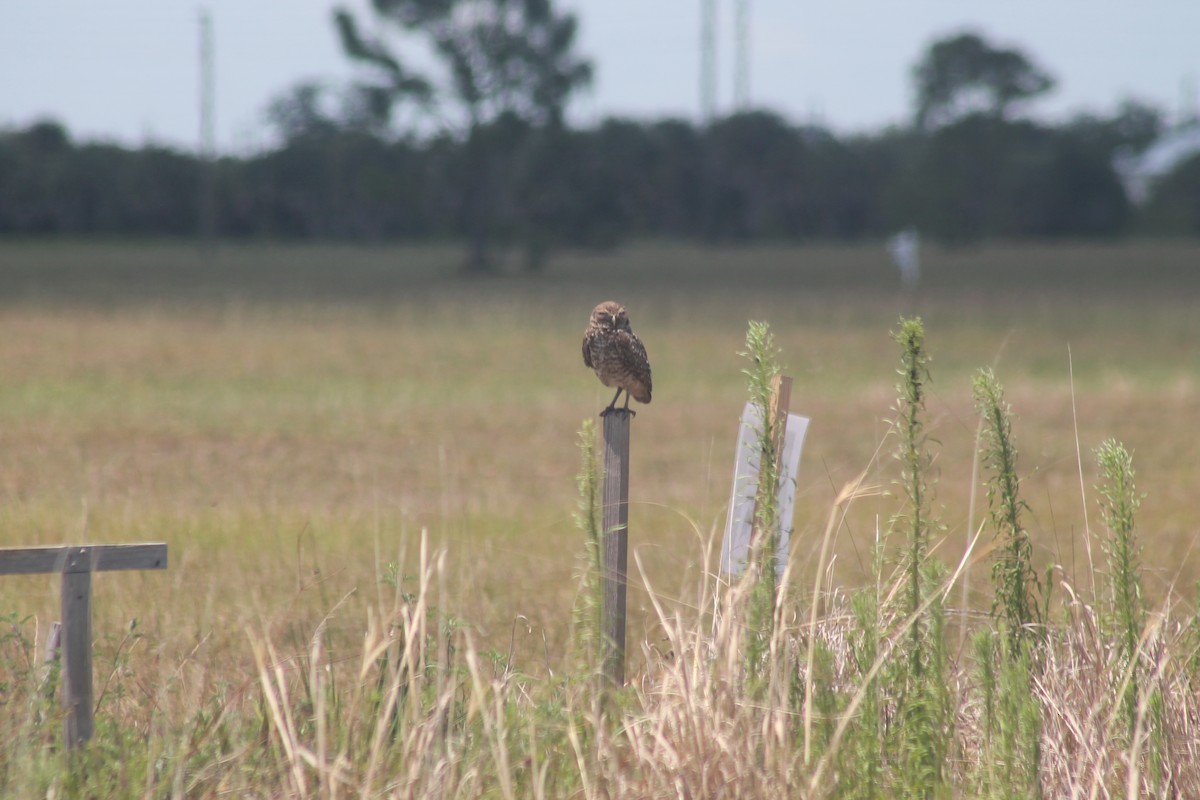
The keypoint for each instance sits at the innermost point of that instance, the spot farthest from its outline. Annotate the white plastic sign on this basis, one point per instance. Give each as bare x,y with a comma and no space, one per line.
736,546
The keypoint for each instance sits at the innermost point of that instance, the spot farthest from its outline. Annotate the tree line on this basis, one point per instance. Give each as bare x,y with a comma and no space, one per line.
511,172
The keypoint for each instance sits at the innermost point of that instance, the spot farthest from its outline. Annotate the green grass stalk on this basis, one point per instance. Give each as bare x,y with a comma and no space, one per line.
764,367
923,739
914,466
1119,503
1013,577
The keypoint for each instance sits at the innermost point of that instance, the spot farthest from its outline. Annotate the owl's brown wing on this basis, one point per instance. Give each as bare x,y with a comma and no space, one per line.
640,366
587,350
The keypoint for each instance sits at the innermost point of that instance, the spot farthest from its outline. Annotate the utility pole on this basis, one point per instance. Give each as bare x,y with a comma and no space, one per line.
708,60
207,155
741,63
1189,109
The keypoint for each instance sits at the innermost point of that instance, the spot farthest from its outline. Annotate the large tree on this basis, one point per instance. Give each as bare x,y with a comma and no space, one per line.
503,61
965,74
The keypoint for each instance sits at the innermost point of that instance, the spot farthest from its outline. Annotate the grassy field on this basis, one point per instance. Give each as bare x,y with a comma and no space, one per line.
291,419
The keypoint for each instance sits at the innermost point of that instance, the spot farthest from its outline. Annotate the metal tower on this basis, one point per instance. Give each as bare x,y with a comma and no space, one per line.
207,155
741,62
708,60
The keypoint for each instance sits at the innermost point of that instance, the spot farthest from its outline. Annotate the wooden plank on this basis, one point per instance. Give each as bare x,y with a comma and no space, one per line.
88,558
77,652
615,525
781,402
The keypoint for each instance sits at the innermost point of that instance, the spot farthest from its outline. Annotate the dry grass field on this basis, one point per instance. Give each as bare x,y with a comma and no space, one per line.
291,419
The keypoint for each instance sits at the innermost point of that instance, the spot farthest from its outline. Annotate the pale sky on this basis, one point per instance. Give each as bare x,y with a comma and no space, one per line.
127,70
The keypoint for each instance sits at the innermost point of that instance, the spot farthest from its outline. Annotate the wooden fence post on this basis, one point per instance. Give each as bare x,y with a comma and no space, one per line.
77,647
615,527
76,565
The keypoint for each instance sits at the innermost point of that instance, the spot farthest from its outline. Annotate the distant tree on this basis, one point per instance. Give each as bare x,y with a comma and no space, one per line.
1071,188
574,190
964,74
388,81
958,187
46,136
301,111
1133,128
1174,204
639,179
978,172
51,185
983,177
757,176
335,174
1137,125
510,59
844,185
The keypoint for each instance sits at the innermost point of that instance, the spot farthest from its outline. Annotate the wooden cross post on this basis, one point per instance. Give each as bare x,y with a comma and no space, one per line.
615,528
76,565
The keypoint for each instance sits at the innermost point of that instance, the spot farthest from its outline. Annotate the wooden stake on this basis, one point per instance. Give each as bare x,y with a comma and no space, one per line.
77,647
615,528
781,402
52,652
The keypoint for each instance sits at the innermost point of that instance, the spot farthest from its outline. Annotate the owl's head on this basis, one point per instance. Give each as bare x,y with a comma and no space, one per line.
611,315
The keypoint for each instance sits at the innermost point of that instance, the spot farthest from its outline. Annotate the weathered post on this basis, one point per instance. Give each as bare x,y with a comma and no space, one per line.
615,528
76,565
77,646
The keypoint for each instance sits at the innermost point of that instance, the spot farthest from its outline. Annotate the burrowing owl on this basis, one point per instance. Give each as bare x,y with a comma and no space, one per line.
616,353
